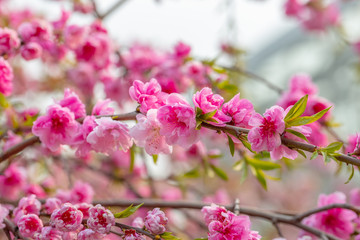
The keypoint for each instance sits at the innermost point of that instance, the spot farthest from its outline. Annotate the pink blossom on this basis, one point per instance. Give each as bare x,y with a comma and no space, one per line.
220,197
320,19
48,233
353,144
83,147
51,204
84,208
336,221
209,102
197,72
29,225
357,47
35,189
62,21
155,221
4,212
73,103
102,108
138,222
12,181
9,41
11,140
283,151
177,119
213,213
57,127
95,50
84,77
89,234
240,111
146,133
181,50
37,30
74,35
100,219
294,8
67,218
31,50
6,77
266,131
148,95
81,193
131,234
27,205
63,195
109,135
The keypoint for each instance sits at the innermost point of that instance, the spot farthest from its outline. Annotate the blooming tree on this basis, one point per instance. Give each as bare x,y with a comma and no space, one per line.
82,168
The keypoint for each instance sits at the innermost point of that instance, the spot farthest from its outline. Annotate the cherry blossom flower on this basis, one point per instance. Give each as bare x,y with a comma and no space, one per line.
146,133
73,103
102,108
48,233
100,219
55,128
155,221
29,225
9,41
6,77
51,204
81,193
12,181
131,234
266,131
89,234
27,205
68,218
177,119
31,50
240,111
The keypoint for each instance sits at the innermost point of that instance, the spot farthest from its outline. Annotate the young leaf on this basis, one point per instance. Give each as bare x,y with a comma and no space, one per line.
325,156
155,158
314,155
264,165
298,134
333,147
351,174
3,102
209,115
244,173
259,174
231,146
168,236
128,211
246,144
219,172
194,173
297,110
198,124
307,120
301,153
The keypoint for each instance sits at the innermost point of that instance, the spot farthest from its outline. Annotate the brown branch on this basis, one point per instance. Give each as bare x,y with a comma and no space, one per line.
328,207
139,230
34,139
113,8
237,131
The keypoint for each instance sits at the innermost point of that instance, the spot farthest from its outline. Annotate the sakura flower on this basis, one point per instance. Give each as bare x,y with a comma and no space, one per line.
81,193
89,234
209,102
57,127
84,208
29,225
109,135
100,219
37,30
31,50
177,119
353,144
67,218
240,111
51,204
27,205
48,233
12,181
74,35
148,95
146,133
102,108
266,131
155,221
213,213
138,222
9,41
131,234
6,77
4,212
336,221
84,147
73,103
181,50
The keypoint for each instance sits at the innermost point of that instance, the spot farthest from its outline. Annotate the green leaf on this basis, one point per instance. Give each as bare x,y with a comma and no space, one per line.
351,174
198,124
314,155
246,144
325,156
307,120
155,158
3,102
168,236
301,153
199,111
194,173
264,165
238,165
132,158
244,173
128,211
231,146
297,110
298,134
219,172
259,174
201,239
209,115
333,147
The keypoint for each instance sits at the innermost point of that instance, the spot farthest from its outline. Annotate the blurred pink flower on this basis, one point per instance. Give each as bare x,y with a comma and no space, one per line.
29,225
100,219
6,77
155,221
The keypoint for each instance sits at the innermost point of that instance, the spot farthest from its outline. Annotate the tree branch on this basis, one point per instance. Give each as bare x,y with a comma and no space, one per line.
139,230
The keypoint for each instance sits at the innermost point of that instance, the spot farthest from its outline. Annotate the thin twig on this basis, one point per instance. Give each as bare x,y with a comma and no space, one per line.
113,8
139,230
